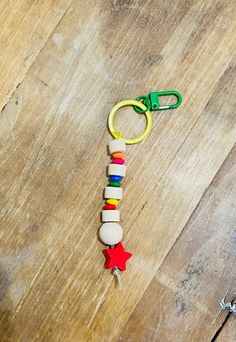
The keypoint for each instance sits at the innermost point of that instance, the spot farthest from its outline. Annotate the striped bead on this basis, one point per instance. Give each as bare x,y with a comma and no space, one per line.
118,161
115,178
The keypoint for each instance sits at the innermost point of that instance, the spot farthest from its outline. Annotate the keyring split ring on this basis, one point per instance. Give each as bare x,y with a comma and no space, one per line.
147,114
146,101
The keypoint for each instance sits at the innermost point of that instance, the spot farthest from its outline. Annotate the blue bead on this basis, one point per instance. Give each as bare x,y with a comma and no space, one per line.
116,178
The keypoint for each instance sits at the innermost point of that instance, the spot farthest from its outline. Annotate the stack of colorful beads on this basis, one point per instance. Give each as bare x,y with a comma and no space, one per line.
111,232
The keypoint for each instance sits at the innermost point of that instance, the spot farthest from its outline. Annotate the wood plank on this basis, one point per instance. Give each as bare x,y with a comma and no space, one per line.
182,302
228,332
25,27
54,145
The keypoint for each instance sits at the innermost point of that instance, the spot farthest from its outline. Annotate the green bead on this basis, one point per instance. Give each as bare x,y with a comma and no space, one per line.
117,184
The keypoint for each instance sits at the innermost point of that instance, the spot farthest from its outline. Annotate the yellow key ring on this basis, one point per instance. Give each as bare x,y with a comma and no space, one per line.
124,103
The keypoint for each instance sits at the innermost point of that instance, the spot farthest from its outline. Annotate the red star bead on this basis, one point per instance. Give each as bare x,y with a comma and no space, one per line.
116,257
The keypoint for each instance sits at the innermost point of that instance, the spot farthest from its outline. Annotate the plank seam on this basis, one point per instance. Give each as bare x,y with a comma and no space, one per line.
218,332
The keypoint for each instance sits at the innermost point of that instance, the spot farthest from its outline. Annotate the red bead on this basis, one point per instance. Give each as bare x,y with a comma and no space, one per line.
108,206
118,161
116,257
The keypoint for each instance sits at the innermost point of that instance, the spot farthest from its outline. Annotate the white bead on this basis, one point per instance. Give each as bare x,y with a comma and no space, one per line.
110,215
117,170
111,233
112,192
117,145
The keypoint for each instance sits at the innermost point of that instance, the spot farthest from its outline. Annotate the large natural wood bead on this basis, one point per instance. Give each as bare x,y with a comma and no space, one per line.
113,192
111,233
110,215
116,170
117,145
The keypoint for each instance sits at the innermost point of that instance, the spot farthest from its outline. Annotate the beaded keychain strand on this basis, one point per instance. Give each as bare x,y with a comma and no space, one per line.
111,232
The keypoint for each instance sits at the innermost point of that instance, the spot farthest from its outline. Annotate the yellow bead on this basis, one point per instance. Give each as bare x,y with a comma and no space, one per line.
112,201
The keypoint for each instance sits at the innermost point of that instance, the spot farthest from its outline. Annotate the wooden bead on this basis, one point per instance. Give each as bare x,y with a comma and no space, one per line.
112,201
118,161
112,192
118,155
111,233
117,145
117,170
110,215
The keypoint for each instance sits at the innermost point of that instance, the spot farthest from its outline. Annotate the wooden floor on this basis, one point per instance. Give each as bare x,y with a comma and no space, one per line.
63,65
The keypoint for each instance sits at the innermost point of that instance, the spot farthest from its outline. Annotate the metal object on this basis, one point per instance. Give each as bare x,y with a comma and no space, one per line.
152,101
230,306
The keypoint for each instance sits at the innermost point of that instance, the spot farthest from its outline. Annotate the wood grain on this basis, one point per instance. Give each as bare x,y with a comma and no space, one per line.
25,27
53,161
228,333
182,301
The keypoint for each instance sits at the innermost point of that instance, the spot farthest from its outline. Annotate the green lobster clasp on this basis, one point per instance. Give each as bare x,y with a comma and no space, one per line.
152,101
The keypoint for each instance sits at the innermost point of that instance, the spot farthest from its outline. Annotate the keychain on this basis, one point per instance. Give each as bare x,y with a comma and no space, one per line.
111,232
